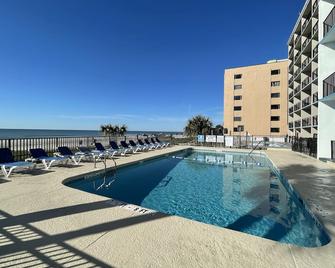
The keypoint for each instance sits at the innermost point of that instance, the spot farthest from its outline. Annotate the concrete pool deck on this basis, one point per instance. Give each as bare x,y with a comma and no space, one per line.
46,224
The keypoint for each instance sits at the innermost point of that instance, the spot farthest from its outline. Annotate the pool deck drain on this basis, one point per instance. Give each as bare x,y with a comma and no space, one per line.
45,223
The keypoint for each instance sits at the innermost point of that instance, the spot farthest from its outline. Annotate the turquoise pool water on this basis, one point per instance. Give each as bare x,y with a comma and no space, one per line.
231,190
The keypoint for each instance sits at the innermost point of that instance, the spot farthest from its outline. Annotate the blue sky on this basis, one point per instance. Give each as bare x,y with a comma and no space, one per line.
76,64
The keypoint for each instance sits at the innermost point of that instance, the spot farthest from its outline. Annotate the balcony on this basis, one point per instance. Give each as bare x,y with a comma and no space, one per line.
304,44
315,97
329,85
296,90
297,124
290,80
306,102
329,22
315,6
290,110
297,72
303,27
315,120
315,74
315,51
306,82
306,122
315,28
305,62
297,106
291,95
290,125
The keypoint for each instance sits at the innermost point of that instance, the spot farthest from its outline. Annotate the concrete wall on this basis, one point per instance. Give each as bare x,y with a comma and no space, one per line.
256,99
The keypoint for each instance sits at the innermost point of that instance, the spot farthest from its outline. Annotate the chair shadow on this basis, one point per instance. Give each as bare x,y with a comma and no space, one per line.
22,244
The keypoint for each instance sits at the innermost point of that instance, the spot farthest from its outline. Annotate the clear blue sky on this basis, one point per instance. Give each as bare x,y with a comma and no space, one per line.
75,64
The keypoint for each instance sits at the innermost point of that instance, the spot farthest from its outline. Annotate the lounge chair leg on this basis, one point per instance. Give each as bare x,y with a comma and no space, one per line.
9,171
4,171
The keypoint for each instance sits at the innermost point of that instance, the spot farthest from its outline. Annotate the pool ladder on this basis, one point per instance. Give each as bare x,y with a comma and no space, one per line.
104,184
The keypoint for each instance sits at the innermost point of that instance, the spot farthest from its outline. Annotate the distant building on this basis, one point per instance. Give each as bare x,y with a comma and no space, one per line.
311,86
255,99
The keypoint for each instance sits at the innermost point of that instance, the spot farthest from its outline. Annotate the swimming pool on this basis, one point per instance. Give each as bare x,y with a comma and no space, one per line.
232,190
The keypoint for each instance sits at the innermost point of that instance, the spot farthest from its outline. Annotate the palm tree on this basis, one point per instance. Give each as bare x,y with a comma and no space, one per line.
218,130
107,130
116,130
198,124
123,129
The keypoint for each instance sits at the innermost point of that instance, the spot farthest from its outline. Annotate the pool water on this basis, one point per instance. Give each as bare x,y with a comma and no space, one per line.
232,190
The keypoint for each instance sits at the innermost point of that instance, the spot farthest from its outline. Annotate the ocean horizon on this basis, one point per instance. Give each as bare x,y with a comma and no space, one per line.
42,133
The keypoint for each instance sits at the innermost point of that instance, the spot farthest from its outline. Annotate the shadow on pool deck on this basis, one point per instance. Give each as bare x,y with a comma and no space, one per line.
23,244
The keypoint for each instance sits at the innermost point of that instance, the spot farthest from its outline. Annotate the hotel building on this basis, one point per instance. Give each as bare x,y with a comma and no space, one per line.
255,99
311,84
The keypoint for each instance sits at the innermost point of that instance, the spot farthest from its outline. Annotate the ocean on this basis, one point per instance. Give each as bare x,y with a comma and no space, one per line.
41,133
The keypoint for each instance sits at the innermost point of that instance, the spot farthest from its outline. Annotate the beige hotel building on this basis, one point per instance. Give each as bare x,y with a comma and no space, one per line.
255,99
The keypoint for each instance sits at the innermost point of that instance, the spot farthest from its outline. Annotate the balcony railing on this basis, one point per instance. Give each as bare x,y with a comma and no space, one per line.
297,124
315,28
315,74
297,106
306,122
315,97
290,125
329,22
305,62
306,82
315,51
306,102
304,44
315,120
329,85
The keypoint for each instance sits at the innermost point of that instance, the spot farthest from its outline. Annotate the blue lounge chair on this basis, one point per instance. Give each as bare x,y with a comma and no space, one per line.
103,150
7,161
127,147
141,147
91,154
153,141
66,152
149,146
154,145
122,151
39,154
162,142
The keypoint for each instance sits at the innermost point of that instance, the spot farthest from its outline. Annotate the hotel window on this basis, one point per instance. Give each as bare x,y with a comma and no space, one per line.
275,95
275,107
237,108
275,129
275,118
239,97
239,129
237,118
237,76
275,83
238,87
275,72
